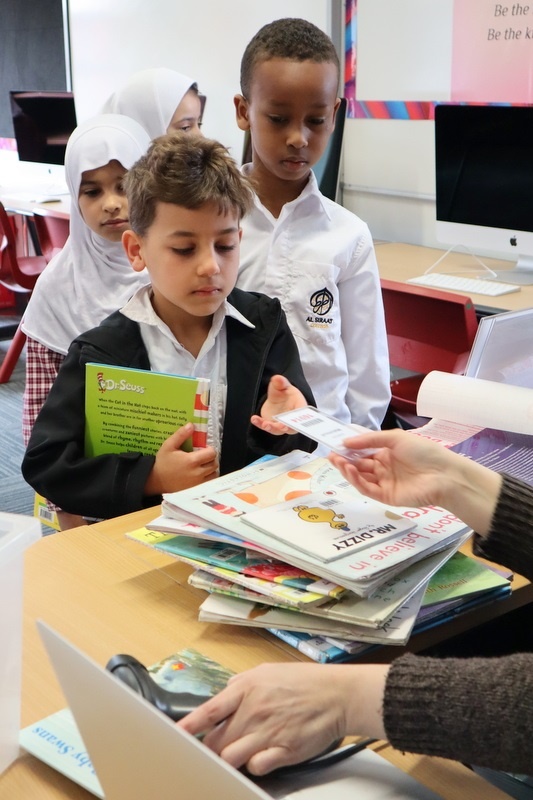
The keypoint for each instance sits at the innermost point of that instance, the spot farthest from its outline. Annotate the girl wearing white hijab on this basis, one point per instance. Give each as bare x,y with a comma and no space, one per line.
161,100
91,277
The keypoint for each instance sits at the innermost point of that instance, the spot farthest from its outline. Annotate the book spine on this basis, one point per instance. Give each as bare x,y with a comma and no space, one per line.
314,648
201,414
350,646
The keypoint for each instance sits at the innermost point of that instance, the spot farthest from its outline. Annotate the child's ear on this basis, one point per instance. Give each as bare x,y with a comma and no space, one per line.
336,108
241,109
132,244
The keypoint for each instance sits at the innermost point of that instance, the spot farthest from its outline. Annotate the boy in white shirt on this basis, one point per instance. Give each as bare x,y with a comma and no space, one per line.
186,198
314,255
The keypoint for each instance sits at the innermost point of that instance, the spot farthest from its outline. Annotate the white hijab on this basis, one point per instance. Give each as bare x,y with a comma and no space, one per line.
91,277
151,97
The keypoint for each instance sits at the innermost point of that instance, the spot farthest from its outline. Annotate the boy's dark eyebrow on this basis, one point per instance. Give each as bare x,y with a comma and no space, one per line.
282,105
232,229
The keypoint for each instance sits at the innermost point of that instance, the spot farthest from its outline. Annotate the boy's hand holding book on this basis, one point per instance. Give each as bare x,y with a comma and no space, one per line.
174,469
281,396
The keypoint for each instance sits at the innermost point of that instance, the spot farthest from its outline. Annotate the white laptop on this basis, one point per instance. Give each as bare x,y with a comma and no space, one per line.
139,753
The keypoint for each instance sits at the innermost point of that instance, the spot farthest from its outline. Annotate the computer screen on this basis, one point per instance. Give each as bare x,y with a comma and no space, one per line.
484,181
43,122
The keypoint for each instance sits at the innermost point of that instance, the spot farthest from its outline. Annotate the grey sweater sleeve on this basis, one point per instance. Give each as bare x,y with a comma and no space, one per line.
476,710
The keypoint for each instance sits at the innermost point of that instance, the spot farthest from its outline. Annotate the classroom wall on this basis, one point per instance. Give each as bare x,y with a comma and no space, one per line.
389,178
405,52
205,40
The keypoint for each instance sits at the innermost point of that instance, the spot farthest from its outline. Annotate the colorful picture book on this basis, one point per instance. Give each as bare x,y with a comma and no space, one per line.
255,583
321,649
46,515
437,613
56,740
270,592
192,672
462,577
135,410
237,611
222,504
460,585
330,524
373,612
172,526
237,559
326,649
221,581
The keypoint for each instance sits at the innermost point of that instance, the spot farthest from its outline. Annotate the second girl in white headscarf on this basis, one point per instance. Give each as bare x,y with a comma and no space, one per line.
159,99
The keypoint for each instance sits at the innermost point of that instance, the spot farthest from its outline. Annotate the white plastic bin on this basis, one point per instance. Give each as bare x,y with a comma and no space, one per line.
17,532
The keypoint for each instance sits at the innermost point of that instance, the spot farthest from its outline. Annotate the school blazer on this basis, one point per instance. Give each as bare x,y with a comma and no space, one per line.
111,485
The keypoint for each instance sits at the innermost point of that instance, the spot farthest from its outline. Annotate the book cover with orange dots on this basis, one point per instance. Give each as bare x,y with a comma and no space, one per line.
222,504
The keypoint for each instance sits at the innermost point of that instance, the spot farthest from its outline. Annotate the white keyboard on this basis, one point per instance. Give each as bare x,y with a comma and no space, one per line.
438,280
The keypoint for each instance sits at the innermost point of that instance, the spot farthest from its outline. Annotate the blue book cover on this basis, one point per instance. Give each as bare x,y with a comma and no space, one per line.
317,647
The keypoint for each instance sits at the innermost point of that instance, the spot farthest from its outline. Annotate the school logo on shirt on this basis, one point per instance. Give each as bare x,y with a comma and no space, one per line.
321,303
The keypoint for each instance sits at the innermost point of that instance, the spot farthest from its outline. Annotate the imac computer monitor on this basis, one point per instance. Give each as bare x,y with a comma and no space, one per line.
43,122
484,182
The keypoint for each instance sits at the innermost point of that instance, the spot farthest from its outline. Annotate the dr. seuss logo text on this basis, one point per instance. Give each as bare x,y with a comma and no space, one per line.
110,385
321,303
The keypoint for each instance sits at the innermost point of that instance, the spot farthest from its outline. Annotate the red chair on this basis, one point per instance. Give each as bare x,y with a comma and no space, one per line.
52,232
426,330
18,273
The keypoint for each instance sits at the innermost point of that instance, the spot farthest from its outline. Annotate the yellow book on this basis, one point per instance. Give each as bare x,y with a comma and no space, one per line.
44,514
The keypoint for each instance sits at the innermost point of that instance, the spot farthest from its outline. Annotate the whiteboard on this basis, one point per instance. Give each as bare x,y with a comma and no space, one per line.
111,40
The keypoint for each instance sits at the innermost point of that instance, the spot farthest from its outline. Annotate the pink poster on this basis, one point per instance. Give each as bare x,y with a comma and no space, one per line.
492,52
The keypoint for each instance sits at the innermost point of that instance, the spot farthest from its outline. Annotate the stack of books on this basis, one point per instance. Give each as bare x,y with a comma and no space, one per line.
288,545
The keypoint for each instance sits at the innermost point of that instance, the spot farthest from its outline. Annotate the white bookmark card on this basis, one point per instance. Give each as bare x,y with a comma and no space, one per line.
324,429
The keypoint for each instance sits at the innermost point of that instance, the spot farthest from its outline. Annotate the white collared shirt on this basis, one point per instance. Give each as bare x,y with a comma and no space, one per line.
318,258
166,354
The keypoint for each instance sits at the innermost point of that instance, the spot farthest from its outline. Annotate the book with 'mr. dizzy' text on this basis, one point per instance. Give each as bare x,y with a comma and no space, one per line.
329,524
131,410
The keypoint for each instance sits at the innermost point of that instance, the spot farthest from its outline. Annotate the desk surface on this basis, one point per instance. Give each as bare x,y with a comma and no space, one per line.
17,205
108,594
398,262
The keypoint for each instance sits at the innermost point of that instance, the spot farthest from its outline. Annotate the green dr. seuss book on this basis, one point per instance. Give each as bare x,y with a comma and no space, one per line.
135,410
